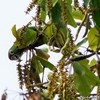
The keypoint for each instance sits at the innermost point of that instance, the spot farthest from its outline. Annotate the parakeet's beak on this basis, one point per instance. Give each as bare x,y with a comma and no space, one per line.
14,53
13,57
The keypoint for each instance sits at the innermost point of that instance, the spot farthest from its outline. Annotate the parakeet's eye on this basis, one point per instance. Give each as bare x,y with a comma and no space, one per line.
11,52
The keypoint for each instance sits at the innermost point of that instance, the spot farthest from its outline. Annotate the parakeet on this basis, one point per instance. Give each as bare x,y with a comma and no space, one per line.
15,53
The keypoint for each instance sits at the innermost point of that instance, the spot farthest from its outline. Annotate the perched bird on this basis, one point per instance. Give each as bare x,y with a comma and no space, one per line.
15,52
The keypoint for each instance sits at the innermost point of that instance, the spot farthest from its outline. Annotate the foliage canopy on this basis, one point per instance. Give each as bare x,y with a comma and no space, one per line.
54,21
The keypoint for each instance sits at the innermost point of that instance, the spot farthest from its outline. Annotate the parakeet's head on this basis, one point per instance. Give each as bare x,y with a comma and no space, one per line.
14,53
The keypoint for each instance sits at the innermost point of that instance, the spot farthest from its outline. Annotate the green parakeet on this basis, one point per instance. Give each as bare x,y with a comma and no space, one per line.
16,52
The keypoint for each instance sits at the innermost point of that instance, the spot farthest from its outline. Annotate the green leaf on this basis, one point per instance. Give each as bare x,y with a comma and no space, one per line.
54,2
64,31
96,13
93,62
86,2
43,15
82,85
69,1
29,37
93,38
42,4
56,15
79,44
48,31
36,64
84,62
94,4
14,32
35,70
42,54
96,18
70,19
46,63
77,14
45,49
69,6
85,83
34,75
78,68
92,79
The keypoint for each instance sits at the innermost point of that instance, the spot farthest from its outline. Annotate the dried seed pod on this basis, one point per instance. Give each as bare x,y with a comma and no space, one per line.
64,11
52,85
20,75
48,5
38,18
76,3
31,5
